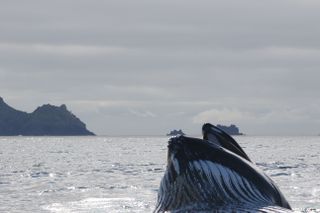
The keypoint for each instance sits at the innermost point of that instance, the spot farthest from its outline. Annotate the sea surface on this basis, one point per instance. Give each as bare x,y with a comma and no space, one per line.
122,174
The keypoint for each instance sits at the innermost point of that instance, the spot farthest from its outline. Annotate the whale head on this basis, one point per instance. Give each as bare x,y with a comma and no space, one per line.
204,176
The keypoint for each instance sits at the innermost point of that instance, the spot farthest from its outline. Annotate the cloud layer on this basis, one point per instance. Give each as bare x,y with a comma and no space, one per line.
145,67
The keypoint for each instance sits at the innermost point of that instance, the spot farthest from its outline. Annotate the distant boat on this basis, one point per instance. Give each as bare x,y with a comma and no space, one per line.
176,132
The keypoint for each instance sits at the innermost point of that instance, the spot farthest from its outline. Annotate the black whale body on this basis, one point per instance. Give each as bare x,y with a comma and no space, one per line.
209,176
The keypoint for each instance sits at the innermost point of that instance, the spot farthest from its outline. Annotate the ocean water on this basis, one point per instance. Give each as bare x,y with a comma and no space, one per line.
122,174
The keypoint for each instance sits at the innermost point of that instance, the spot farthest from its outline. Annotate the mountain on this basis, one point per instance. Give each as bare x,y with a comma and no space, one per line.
45,120
11,120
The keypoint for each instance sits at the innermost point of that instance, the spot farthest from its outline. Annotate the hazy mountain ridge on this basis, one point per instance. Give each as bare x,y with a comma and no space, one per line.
45,120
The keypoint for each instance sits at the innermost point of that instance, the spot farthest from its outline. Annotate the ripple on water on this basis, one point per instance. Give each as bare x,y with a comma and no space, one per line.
280,165
39,174
115,205
308,210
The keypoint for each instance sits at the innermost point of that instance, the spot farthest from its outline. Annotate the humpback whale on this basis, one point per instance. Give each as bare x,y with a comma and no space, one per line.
215,175
218,136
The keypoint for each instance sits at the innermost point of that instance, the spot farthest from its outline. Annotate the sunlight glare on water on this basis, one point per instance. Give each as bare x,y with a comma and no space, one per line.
122,174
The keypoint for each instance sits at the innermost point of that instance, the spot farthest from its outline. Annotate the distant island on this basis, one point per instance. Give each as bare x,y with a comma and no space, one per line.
231,130
47,120
176,132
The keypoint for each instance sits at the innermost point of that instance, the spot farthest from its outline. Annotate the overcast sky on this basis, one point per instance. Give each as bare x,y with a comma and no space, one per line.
145,67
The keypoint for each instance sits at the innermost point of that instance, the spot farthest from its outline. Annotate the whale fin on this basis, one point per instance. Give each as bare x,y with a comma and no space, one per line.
218,136
211,177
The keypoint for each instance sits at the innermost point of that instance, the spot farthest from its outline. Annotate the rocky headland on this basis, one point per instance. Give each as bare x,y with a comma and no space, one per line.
46,120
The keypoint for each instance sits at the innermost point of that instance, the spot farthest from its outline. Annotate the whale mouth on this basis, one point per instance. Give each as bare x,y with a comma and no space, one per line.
219,137
182,150
204,176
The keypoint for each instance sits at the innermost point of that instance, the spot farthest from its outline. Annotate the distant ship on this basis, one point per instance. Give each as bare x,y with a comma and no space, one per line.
176,132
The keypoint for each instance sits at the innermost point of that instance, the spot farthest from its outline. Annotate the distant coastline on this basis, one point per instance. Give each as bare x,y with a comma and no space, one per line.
231,130
175,132
46,120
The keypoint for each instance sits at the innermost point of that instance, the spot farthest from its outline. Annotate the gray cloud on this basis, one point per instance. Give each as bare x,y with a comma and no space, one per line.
145,67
